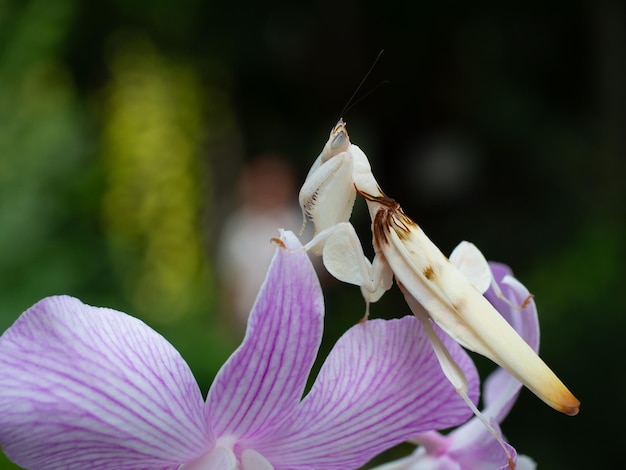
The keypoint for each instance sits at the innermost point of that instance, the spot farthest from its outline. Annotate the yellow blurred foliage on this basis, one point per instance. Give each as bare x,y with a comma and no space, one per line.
152,131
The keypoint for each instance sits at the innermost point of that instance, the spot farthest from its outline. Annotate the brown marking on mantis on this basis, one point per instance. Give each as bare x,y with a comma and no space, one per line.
389,216
404,224
429,273
381,199
380,229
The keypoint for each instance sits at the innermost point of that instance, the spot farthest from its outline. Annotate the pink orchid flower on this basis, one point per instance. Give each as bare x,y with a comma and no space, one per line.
86,387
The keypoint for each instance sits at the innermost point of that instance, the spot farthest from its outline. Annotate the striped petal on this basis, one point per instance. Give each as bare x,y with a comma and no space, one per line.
525,320
263,381
380,385
87,387
501,388
472,445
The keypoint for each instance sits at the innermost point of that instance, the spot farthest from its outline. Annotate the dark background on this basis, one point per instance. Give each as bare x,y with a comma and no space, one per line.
499,124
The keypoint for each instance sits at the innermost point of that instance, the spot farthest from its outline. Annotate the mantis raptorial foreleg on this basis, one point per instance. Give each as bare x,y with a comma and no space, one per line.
327,197
341,195
343,257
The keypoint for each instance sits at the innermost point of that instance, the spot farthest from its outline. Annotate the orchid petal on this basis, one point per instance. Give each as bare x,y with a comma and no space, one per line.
252,460
263,381
87,387
219,458
421,460
501,388
469,447
380,385
474,447
524,320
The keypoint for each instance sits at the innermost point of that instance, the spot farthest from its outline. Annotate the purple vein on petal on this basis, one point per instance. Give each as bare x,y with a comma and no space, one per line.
264,379
379,386
103,376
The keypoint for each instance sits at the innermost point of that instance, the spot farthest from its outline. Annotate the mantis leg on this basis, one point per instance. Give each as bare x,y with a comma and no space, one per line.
468,259
343,257
450,369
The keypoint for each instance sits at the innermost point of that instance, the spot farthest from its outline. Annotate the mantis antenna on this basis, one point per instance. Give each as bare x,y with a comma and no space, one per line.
350,104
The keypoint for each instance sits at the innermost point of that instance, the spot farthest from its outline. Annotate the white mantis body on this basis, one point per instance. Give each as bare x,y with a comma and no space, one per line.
449,291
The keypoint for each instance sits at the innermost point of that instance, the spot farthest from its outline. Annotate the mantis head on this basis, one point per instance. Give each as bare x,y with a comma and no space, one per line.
338,141
328,194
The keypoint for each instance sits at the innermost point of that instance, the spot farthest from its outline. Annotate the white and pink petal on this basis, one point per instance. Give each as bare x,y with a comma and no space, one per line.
501,389
380,385
87,387
524,320
472,445
263,381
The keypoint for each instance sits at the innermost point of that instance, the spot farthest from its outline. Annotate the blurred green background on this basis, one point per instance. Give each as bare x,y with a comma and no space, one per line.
124,125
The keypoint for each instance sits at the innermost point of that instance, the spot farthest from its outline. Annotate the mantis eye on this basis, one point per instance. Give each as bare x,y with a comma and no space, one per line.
339,140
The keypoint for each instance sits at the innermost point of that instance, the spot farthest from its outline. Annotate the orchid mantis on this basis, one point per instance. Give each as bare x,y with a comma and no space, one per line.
448,291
